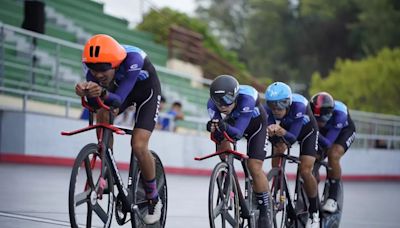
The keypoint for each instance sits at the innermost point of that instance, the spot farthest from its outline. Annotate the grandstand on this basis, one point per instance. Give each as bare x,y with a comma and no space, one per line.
43,68
53,64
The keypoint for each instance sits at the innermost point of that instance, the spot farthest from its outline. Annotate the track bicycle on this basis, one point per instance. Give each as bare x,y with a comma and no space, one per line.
328,220
289,210
96,185
228,205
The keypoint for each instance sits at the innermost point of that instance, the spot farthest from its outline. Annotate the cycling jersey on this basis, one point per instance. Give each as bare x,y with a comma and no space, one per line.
295,119
135,82
337,125
300,125
247,119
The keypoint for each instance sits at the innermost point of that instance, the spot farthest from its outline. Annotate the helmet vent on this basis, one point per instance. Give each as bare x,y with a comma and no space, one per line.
96,51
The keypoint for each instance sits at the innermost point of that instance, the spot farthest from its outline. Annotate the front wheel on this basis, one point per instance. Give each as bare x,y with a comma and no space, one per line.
140,199
88,207
223,198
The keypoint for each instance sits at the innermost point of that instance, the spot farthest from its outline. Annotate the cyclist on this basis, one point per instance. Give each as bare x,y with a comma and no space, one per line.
244,117
290,117
337,133
122,75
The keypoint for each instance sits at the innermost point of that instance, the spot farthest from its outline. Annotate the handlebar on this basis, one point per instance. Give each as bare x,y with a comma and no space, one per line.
226,136
99,102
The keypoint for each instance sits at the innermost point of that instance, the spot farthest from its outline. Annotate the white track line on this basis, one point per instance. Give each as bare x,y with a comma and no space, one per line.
36,219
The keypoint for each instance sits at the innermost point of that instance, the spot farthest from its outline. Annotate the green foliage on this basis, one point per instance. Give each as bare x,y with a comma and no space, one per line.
371,85
159,22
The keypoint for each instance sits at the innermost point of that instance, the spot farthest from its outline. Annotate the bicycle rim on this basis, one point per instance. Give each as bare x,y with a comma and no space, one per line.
280,218
86,209
140,197
223,199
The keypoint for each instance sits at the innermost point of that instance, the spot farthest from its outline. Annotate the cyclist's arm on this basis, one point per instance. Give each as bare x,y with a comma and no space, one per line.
332,134
294,131
240,126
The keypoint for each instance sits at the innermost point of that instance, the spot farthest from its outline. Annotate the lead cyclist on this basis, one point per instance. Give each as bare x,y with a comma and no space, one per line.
123,75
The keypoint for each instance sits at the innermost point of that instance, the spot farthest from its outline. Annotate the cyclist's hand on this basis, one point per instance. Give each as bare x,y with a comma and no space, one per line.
280,131
272,129
222,126
93,89
80,89
209,126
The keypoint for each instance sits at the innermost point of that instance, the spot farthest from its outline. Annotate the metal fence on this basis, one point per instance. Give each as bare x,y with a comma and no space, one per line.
373,130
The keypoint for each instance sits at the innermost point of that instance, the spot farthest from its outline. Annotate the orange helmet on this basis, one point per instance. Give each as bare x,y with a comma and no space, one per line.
103,49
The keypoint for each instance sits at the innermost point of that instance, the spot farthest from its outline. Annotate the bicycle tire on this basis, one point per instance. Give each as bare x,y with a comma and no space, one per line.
104,207
216,196
281,215
332,220
139,196
301,203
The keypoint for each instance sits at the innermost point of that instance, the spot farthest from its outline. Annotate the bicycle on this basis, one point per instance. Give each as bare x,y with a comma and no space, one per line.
225,195
331,220
292,211
91,197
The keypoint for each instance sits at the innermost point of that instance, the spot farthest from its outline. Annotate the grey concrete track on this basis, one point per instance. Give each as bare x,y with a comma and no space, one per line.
36,197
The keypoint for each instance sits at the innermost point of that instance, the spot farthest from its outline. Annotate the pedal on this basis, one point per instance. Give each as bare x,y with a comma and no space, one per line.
302,217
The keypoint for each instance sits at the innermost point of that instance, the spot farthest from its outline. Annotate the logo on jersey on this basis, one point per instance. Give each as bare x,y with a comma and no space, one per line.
246,109
339,125
158,108
133,67
299,114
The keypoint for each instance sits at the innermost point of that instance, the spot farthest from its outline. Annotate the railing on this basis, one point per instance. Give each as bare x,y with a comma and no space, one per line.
373,130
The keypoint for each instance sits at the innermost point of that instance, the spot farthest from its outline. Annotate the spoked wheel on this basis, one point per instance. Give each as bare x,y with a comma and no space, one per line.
284,215
140,196
223,199
88,207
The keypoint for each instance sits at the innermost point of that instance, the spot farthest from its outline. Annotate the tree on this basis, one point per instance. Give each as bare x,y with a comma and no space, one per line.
370,85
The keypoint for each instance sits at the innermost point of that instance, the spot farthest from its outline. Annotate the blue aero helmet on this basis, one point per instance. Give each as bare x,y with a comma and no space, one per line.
278,96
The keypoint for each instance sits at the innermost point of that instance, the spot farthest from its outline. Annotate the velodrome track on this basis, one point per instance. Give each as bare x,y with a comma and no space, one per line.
36,196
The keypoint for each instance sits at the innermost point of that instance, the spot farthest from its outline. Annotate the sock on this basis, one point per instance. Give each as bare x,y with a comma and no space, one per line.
333,189
151,189
313,205
263,200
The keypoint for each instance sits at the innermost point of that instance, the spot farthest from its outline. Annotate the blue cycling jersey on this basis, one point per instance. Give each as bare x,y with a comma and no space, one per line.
245,109
335,124
294,119
129,71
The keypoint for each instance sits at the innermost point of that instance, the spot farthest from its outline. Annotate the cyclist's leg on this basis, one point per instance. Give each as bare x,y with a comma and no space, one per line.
338,149
308,150
256,150
277,148
147,95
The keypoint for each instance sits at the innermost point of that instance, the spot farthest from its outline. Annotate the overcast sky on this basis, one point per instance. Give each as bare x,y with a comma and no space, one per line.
132,9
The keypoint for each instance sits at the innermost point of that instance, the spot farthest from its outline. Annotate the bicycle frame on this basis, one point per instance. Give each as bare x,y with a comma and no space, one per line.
231,155
284,196
104,135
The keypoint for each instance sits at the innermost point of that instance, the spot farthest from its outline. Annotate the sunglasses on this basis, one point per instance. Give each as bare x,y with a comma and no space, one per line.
280,105
99,67
225,100
324,118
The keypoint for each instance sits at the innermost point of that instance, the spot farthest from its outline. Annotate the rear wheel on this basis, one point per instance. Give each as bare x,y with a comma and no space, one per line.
88,207
140,199
223,199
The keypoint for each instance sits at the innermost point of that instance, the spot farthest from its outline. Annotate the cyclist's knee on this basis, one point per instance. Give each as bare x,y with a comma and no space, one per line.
306,166
335,153
102,116
255,167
